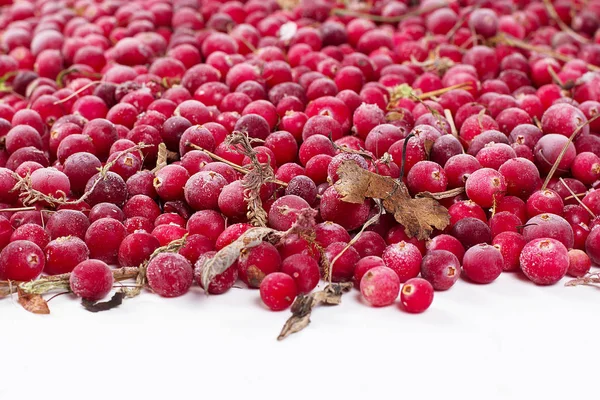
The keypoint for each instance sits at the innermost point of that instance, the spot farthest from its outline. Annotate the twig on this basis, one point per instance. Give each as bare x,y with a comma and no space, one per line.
74,94
379,18
509,41
577,198
564,150
17,209
450,118
589,279
434,93
564,27
373,220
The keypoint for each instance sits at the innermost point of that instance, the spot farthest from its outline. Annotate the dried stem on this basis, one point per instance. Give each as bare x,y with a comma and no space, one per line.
74,94
564,150
574,196
510,41
32,195
577,198
373,220
379,18
435,93
589,279
238,168
442,195
17,209
564,27
259,175
51,283
450,118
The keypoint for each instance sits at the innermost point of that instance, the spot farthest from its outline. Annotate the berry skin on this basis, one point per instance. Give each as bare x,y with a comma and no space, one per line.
483,263
416,295
592,245
441,268
544,261
305,271
448,243
343,268
404,259
380,286
64,254
21,260
284,211
257,262
278,291
136,248
426,176
471,231
91,280
549,226
485,187
363,265
510,245
170,275
579,263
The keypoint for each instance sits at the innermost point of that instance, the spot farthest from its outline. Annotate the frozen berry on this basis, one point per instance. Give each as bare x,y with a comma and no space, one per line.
91,280
544,261
169,275
380,286
416,295
278,291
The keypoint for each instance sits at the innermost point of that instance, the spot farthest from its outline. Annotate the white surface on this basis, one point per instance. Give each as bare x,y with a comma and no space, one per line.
510,339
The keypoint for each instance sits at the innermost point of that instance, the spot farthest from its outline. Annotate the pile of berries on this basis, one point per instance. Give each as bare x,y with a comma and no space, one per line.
494,97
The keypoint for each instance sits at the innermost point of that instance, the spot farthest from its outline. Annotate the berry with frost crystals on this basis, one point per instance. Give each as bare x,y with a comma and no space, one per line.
169,275
579,263
278,291
305,271
21,260
91,280
416,295
404,259
544,261
483,263
380,286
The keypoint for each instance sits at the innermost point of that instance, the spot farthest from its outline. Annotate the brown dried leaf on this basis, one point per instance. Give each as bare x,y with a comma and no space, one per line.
303,305
161,160
33,303
93,306
418,216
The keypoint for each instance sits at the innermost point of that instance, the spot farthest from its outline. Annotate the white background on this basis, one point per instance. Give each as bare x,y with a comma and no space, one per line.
510,339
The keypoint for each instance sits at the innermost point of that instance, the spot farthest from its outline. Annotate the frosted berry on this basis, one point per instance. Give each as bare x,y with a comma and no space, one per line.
305,271
170,275
404,259
64,254
21,260
91,280
257,262
380,286
544,261
483,263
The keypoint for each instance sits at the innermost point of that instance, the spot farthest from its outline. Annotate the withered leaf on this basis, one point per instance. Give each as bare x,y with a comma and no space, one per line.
161,160
419,216
33,303
304,304
93,306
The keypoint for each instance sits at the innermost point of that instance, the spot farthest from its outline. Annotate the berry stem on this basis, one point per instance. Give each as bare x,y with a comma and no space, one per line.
435,93
509,41
564,27
17,209
74,94
404,146
379,18
576,198
448,115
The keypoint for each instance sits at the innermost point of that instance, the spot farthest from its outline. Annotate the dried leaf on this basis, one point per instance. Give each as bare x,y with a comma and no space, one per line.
161,160
428,145
115,301
304,304
33,303
230,253
418,216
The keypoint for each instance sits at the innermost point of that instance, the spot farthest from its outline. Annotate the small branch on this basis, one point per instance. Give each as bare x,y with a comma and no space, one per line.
442,195
17,209
564,150
564,27
509,41
450,119
74,94
379,18
435,93
577,198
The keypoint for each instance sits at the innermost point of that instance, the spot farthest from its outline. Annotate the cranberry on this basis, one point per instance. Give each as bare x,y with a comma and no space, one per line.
21,260
278,291
380,286
91,280
544,261
416,295
169,275
441,268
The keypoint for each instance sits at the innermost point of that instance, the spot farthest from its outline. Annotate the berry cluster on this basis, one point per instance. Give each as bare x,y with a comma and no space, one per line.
120,127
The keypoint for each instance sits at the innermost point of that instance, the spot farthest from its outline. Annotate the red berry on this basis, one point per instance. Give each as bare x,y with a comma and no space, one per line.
305,271
278,291
441,268
404,259
483,263
544,261
380,286
416,295
91,280
21,260
579,263
169,275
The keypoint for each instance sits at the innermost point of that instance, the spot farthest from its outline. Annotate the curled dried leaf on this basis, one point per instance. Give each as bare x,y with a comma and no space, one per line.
591,279
93,306
33,303
304,304
419,216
